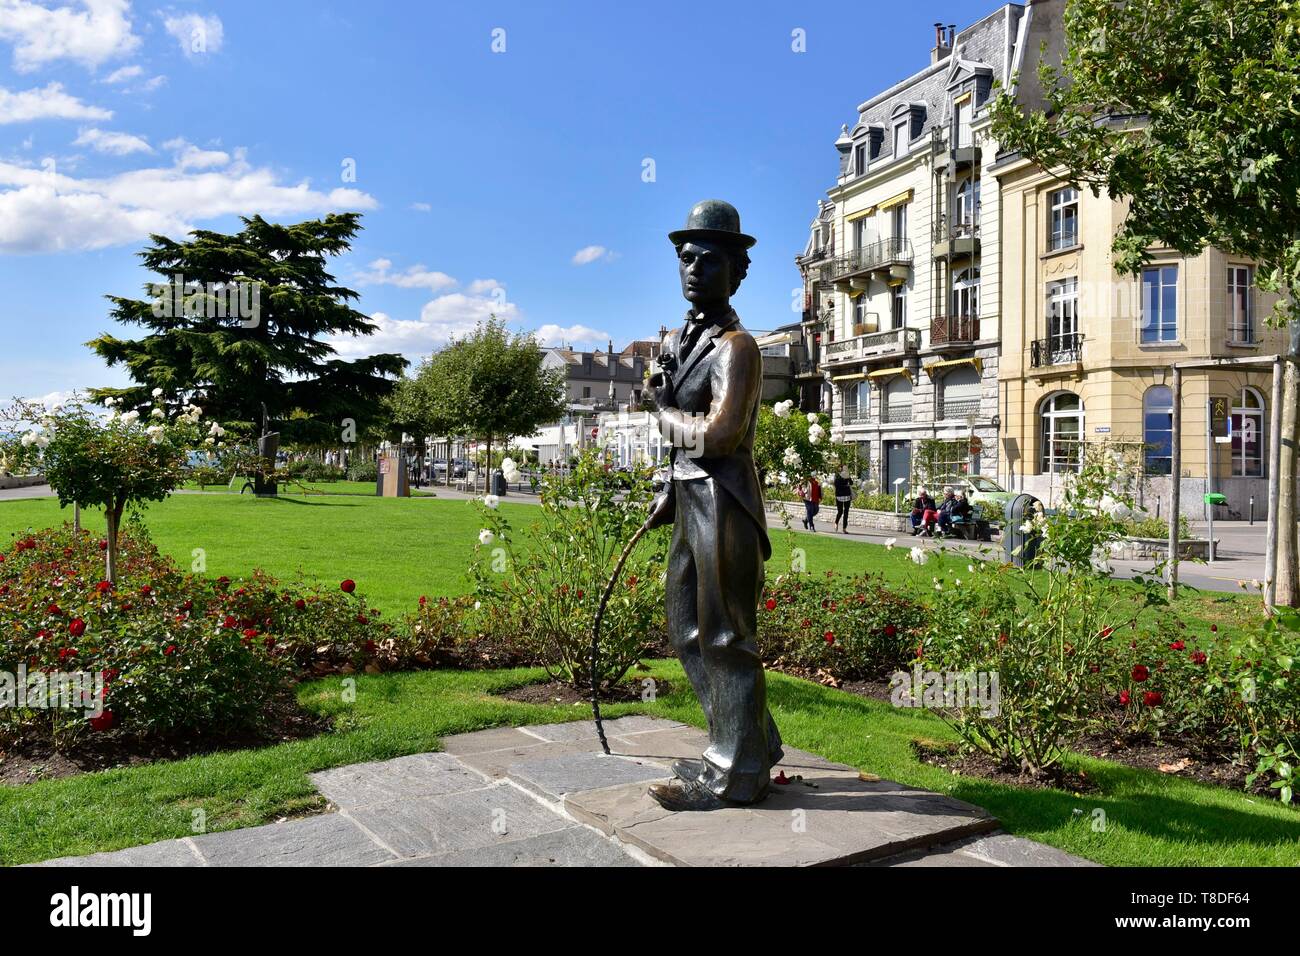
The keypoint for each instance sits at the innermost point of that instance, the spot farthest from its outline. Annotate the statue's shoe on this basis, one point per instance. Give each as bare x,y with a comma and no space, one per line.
682,796
688,768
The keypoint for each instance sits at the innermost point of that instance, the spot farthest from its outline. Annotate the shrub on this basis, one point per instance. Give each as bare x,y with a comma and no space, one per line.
548,591
309,469
363,471
835,626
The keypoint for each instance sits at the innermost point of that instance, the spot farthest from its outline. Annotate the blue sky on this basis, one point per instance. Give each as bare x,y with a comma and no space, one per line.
490,181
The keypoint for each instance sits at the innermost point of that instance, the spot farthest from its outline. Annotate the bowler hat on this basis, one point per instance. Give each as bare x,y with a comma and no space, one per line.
713,221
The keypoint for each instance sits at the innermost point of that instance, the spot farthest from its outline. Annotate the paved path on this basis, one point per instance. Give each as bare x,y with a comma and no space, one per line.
546,796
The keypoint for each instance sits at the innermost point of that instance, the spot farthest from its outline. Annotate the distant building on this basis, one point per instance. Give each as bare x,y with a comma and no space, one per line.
605,381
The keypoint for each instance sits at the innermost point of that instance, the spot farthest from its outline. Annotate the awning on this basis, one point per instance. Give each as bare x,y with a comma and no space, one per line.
951,363
892,201
886,372
860,214
848,378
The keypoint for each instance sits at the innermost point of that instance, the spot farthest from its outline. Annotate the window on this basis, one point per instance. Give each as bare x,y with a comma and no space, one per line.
860,159
863,232
1241,311
1247,429
899,220
898,306
965,218
962,123
901,138
1063,320
1158,429
1160,305
1062,431
1064,227
966,294
859,313
897,400
960,393
857,402
586,391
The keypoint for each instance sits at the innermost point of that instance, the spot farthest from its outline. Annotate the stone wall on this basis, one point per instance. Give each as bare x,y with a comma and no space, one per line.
881,522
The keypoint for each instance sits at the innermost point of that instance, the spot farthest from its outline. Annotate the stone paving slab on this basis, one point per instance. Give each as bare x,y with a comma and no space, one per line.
553,776
992,849
328,840
166,853
575,846
583,730
419,775
468,820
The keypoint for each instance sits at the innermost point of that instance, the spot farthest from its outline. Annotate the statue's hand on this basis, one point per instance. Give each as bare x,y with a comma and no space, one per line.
663,509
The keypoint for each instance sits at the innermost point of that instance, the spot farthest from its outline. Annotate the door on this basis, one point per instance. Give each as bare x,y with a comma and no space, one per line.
898,464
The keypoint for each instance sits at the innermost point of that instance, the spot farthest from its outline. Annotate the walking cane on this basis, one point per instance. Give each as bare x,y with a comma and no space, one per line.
667,362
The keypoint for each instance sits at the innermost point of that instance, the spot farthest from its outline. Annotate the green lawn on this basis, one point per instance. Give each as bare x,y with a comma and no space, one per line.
320,487
1151,820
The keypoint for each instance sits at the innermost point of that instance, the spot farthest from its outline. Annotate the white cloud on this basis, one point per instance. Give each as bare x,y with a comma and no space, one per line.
483,286
49,102
99,31
106,141
589,254
42,211
442,319
414,277
575,336
421,207
195,33
189,156
124,73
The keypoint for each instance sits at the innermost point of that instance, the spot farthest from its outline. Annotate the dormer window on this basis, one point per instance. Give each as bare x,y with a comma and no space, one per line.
859,159
961,122
901,138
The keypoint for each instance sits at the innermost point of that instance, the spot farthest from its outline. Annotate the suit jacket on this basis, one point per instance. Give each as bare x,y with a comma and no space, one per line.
712,414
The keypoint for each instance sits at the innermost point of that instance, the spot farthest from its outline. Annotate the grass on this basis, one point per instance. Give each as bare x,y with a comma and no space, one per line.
311,487
1151,820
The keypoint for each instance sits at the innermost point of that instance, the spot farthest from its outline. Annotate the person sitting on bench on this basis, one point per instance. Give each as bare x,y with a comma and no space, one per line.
924,514
955,506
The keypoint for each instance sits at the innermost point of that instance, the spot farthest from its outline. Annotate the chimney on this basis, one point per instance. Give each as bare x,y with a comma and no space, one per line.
942,43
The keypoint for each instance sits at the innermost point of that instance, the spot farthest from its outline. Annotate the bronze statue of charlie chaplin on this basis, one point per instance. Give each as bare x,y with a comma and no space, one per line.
708,393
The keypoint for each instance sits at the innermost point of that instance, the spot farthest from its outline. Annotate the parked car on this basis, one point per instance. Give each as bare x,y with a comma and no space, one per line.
985,492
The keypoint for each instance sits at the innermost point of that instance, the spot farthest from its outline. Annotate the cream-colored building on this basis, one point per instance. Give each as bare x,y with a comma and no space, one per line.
1088,355
902,270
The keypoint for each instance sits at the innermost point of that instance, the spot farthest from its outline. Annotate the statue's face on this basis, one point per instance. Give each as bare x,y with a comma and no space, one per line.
705,269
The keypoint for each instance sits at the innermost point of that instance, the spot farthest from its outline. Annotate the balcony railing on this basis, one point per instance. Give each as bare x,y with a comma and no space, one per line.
889,342
966,227
806,368
896,414
954,329
855,414
875,255
1242,334
1056,350
959,408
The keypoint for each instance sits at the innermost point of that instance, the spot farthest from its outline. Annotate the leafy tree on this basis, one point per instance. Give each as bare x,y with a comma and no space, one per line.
784,434
492,385
1188,110
238,323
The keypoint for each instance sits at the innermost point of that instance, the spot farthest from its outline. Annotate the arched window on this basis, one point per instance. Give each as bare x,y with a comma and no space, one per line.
1158,429
897,400
1248,444
966,293
959,393
1062,431
857,402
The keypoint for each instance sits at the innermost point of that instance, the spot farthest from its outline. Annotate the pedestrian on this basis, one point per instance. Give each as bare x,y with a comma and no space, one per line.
809,491
843,498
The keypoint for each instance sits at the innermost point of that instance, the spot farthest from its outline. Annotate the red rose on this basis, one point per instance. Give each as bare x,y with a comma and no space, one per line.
361,619
1198,657
146,590
103,545
579,595
371,647
1002,638
104,587
1152,698
53,610
1107,631
250,632
829,637
127,606
1125,697
770,605
66,652
169,650
423,600
76,627
781,778
44,635
229,621
300,604
348,586
806,623
890,630
1140,673
1176,646
223,580
187,606
1214,628
103,722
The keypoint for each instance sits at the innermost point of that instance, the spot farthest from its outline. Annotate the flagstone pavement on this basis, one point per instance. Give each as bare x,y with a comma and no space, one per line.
547,796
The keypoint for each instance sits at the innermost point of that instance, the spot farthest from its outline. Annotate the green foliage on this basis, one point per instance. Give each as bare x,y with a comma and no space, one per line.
235,363
544,583
784,447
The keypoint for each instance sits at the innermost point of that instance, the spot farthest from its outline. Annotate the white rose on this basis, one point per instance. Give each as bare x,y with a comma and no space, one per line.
110,401
155,433
29,439
782,409
889,543
486,537
812,418
491,500
156,413
157,393
131,417
919,556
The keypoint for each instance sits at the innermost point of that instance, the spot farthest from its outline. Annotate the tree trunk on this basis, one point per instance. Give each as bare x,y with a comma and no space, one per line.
113,517
1287,582
487,480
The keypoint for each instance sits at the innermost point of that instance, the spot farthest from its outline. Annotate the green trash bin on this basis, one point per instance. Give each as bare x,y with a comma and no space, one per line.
1214,498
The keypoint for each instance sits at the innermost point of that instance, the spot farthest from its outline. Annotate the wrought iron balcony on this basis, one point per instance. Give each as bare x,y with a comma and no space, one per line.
871,345
959,238
1056,350
959,408
855,414
1242,333
896,414
954,329
873,257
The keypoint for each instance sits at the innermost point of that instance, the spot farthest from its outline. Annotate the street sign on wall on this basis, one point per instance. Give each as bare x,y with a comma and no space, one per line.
1220,412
